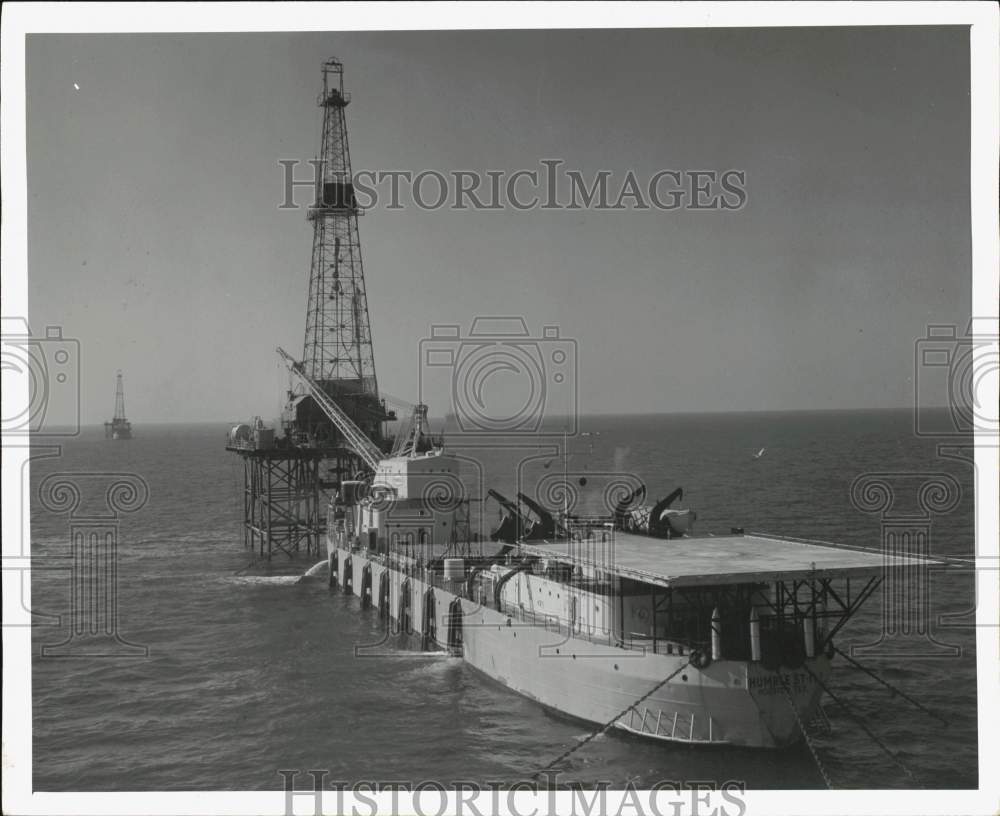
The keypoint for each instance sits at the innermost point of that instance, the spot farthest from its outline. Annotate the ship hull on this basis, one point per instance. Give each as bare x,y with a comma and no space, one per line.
725,703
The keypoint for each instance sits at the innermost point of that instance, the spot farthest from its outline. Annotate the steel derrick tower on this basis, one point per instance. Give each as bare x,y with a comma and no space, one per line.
119,399
333,422
337,351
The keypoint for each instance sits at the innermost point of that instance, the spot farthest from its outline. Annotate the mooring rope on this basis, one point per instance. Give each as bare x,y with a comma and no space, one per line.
598,731
891,687
860,723
809,743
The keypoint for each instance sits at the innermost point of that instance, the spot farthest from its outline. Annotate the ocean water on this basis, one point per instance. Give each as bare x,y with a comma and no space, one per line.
248,670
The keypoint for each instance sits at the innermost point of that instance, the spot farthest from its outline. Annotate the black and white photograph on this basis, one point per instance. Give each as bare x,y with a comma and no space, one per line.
487,408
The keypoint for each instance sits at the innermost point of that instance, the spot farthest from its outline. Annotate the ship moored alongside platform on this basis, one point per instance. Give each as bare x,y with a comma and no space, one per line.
708,640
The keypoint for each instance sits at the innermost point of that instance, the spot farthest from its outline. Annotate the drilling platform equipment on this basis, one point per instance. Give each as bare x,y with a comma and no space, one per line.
337,352
333,426
119,427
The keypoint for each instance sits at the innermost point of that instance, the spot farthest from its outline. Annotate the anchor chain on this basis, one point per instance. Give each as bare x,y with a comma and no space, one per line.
809,743
598,731
891,687
860,723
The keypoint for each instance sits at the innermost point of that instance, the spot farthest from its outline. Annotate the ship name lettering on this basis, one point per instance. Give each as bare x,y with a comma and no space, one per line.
796,682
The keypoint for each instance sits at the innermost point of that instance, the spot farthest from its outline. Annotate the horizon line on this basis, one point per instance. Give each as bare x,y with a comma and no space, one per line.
896,409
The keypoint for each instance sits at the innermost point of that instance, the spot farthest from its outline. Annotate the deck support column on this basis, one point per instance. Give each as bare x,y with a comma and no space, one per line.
754,635
716,634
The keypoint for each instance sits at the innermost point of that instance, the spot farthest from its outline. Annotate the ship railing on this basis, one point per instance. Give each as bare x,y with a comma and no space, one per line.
551,623
643,641
530,617
231,444
634,641
413,568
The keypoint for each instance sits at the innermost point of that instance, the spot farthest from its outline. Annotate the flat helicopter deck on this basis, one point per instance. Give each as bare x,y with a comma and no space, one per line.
717,560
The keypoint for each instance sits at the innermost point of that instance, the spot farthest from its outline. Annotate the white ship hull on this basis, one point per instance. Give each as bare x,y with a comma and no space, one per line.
725,703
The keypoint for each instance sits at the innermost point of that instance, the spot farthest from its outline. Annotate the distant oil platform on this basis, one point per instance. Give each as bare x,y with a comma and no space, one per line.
118,427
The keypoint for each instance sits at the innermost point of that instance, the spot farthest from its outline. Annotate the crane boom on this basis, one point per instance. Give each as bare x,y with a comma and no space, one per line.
355,437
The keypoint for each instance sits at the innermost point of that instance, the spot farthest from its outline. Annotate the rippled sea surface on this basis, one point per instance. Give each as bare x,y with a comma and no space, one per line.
250,671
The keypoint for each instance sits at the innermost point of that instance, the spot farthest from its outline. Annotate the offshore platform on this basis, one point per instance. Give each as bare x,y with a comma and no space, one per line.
333,427
119,427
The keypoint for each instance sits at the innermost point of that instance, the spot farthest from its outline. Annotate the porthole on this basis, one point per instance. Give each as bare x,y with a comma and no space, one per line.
684,677
616,667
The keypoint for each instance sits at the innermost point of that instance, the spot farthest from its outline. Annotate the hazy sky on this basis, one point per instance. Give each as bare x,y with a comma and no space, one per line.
156,239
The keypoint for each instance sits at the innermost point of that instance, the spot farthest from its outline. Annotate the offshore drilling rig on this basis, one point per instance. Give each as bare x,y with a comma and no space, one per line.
337,353
333,427
119,427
